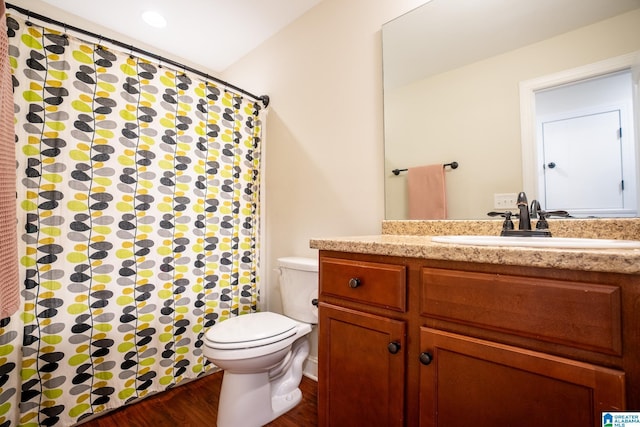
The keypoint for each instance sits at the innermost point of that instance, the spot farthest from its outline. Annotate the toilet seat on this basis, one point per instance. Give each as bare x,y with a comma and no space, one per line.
250,331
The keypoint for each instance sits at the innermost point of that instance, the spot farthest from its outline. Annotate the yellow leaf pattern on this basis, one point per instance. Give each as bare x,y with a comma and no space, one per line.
138,206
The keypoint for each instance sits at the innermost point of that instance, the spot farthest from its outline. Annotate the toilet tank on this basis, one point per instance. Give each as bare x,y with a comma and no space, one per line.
299,287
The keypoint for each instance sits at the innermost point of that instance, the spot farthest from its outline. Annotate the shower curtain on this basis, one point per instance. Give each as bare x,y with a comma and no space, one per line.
138,191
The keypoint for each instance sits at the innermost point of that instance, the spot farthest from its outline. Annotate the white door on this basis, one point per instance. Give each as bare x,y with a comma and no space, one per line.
583,162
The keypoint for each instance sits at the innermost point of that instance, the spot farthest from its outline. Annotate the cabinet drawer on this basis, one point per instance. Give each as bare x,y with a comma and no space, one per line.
382,285
583,315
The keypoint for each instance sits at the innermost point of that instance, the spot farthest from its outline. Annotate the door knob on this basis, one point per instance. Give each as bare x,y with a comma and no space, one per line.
426,358
551,165
393,347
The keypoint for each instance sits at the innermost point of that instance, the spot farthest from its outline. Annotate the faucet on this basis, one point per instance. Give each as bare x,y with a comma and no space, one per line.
535,209
525,215
523,206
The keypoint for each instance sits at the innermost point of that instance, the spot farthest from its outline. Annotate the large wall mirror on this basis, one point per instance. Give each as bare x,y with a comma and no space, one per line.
461,79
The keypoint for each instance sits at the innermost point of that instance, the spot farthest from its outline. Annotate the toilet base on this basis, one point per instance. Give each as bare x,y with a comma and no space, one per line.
282,404
250,396
255,399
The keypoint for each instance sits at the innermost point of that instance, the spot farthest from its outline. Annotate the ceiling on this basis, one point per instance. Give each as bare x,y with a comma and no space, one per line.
210,33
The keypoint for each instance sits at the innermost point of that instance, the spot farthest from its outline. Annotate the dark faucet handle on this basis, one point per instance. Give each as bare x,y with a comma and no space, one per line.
542,223
563,214
508,223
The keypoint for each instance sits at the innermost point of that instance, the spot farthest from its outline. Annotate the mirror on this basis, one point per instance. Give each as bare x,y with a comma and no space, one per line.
453,72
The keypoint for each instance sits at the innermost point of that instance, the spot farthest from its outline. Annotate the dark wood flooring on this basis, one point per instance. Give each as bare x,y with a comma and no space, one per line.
195,404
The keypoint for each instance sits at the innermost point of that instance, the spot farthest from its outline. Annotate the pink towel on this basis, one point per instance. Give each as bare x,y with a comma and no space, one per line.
9,285
427,198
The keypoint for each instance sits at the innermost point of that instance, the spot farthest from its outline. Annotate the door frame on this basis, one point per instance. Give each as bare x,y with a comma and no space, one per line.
529,139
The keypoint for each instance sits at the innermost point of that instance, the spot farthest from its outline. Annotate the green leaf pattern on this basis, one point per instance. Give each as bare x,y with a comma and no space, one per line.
138,191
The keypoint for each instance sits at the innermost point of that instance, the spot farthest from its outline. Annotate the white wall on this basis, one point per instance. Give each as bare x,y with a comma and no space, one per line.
324,134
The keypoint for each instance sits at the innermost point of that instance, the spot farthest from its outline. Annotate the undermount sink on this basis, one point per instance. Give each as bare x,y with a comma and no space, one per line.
539,242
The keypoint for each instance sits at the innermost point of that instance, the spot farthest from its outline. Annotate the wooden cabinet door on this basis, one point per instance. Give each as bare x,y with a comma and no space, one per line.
472,382
361,368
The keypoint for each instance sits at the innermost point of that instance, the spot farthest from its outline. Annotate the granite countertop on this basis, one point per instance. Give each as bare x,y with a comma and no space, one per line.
417,245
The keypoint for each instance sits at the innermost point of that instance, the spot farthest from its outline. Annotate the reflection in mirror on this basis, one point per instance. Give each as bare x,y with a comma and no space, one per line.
461,101
583,132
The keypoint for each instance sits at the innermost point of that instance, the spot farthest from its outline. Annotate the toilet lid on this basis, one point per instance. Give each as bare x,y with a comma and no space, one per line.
251,330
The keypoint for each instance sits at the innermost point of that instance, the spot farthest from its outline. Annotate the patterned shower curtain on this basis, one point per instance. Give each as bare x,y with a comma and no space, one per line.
138,190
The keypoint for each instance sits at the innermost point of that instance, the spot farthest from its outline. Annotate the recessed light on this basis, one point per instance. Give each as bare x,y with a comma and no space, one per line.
154,19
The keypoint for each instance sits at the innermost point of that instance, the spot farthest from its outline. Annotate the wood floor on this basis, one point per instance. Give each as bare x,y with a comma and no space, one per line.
196,405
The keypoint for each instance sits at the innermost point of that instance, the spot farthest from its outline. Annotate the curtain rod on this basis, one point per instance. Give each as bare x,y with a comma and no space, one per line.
29,14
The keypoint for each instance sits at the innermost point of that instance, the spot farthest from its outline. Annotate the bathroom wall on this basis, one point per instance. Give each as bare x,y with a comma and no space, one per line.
324,148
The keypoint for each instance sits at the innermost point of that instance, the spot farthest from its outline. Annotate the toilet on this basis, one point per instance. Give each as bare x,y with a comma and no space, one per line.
262,354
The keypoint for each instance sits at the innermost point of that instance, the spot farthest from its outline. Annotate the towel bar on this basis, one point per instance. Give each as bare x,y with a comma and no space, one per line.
454,165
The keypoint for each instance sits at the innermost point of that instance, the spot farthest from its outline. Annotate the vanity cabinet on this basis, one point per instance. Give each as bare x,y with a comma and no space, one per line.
483,383
464,379
478,344
363,369
363,354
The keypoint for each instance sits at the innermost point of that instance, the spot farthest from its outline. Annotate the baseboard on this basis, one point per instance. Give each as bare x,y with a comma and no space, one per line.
310,368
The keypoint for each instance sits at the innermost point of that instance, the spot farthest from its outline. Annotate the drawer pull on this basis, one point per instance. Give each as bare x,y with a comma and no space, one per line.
354,282
426,358
393,347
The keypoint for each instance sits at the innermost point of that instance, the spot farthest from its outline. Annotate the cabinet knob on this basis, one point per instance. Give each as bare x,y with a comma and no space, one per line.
426,358
354,282
393,347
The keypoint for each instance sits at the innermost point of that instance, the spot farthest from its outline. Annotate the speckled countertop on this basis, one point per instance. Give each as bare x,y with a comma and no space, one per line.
413,239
